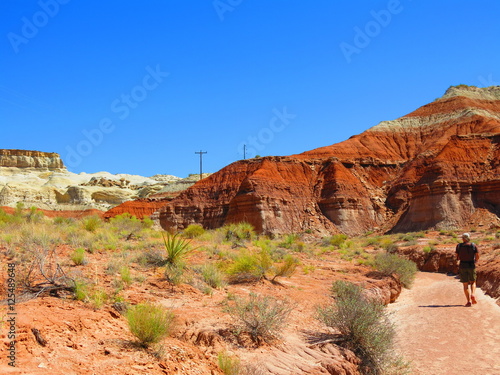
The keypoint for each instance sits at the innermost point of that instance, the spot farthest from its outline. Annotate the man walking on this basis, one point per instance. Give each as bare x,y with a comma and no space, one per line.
468,254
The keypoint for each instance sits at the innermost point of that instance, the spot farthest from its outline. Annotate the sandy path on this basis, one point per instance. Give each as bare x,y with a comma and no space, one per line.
441,336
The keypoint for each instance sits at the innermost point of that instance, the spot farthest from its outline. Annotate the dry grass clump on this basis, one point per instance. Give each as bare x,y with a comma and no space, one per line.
262,317
149,323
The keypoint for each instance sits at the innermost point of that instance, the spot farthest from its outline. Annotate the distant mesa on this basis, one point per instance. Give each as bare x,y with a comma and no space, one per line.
31,159
436,167
40,179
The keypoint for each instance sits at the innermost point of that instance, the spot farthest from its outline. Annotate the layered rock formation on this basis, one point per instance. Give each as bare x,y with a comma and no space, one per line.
432,168
40,179
31,159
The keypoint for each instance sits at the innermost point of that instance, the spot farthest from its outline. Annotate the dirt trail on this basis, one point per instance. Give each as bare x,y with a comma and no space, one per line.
441,336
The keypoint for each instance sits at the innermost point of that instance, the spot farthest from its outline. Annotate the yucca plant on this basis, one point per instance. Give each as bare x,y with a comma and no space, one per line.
177,248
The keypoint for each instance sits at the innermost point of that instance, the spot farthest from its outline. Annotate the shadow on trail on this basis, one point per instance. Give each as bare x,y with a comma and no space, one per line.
441,306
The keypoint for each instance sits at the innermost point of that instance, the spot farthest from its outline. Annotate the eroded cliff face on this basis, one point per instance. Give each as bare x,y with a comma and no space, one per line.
31,159
430,169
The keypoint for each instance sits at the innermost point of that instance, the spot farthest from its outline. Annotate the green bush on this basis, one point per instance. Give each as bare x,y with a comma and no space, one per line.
389,264
262,317
238,232
80,289
336,240
78,256
91,223
364,325
193,231
59,220
289,240
34,215
149,323
212,276
228,364
126,225
249,266
125,275
428,249
174,272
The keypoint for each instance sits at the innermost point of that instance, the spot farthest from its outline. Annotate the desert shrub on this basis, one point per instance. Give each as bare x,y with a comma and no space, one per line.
427,249
245,268
151,257
363,323
287,268
78,237
34,215
80,290
176,248
98,297
238,232
336,240
212,276
91,223
63,221
289,240
249,266
149,323
193,231
107,240
125,275
262,317
147,222
174,272
78,256
5,218
407,237
228,364
389,264
372,241
388,245
126,225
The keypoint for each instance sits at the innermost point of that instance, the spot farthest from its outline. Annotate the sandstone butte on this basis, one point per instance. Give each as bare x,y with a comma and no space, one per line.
433,168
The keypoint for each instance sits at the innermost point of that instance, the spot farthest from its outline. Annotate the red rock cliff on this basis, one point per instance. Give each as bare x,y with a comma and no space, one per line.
431,168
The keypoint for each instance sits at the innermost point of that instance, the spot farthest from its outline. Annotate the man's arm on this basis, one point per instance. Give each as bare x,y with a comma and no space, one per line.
476,256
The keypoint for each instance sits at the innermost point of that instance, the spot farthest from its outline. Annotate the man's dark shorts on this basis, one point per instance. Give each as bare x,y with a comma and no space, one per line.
467,275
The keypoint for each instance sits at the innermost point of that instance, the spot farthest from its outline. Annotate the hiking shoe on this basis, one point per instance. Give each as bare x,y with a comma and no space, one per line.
468,304
474,301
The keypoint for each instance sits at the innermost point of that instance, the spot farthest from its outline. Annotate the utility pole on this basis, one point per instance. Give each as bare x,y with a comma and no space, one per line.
244,151
201,161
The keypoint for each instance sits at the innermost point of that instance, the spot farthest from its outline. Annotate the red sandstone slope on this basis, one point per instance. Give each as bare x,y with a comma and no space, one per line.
431,168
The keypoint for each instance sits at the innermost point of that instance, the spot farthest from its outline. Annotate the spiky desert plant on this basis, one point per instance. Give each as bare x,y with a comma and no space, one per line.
176,247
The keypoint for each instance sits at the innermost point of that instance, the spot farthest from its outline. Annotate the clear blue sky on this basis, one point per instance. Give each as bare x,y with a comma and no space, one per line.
138,86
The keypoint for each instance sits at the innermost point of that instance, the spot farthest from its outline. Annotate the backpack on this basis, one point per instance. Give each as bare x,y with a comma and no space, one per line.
467,254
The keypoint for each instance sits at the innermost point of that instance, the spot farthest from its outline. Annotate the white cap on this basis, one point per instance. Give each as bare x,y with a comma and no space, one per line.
466,235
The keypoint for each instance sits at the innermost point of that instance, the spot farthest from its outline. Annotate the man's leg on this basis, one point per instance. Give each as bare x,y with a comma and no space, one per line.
466,291
473,291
